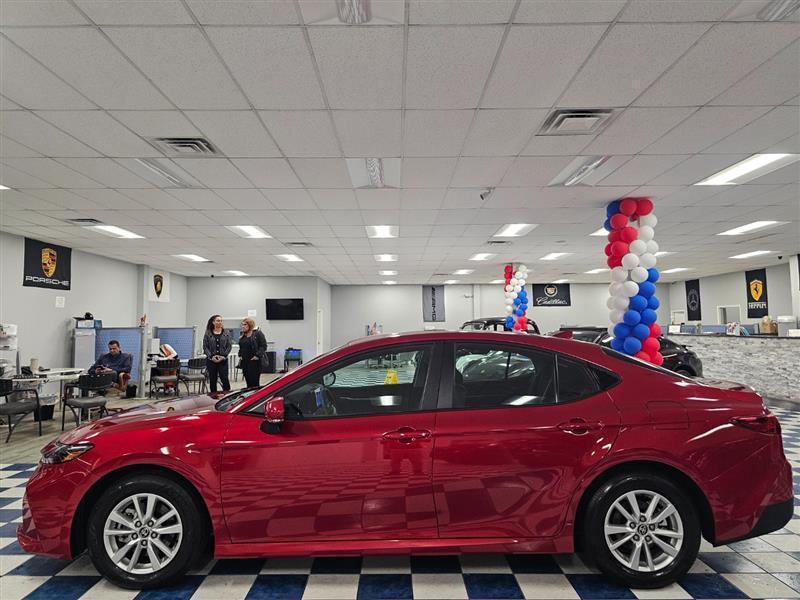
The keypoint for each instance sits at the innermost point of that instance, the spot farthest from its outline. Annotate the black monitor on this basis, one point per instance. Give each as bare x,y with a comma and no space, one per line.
284,309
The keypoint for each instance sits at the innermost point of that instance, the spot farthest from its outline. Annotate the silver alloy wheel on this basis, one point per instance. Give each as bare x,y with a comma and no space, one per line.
643,530
143,533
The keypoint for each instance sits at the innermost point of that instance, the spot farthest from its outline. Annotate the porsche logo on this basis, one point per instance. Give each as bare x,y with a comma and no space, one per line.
756,289
49,261
158,284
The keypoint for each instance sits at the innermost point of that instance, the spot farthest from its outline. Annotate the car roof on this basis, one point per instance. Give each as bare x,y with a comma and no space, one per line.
487,320
578,328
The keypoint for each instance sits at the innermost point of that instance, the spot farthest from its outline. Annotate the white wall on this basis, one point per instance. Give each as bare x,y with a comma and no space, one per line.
729,289
324,304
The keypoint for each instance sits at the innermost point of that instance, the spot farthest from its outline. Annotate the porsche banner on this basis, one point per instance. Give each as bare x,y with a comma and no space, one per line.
756,282
46,265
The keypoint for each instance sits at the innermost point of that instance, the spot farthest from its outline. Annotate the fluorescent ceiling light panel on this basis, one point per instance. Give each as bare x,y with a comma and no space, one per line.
750,168
482,256
778,10
2,187
191,257
289,257
386,257
248,231
661,253
387,273
578,170
596,271
235,273
515,230
382,231
463,271
154,166
389,282
750,227
451,281
116,232
560,281
752,254
497,281
555,255
600,232
676,270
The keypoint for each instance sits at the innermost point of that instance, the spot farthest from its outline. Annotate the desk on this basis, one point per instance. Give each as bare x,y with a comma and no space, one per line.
50,376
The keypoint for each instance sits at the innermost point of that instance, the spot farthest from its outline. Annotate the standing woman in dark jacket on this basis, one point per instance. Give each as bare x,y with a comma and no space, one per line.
217,346
252,349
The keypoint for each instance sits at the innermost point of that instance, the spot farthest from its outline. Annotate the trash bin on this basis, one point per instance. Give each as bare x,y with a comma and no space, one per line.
48,405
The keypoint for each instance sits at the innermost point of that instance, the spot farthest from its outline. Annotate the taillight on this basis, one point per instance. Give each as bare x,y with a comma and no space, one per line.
762,424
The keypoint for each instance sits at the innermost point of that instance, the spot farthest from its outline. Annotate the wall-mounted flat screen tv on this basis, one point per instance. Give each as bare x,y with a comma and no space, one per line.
284,309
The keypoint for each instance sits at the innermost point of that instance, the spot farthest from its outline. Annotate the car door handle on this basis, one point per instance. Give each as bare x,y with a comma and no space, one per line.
579,426
406,435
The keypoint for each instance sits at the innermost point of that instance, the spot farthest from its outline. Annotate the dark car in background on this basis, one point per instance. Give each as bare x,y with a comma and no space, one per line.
495,324
677,357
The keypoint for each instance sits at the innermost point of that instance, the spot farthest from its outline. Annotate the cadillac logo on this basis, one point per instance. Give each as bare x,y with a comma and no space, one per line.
49,261
158,284
693,300
756,289
550,290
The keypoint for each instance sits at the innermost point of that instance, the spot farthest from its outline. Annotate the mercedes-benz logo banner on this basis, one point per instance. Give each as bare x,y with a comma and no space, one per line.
693,308
551,294
46,265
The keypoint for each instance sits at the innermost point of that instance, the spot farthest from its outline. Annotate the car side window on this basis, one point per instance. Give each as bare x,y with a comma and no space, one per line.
495,376
388,380
668,345
575,380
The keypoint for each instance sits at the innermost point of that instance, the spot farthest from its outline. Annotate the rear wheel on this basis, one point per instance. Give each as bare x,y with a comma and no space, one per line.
684,371
642,530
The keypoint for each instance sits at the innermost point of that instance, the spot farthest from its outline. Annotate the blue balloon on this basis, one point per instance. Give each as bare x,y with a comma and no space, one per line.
618,344
509,321
632,345
638,303
524,307
612,208
653,303
649,316
517,300
653,275
607,225
621,330
641,331
520,312
647,289
631,317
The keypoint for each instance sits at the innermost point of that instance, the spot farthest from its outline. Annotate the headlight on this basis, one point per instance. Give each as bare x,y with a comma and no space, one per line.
62,453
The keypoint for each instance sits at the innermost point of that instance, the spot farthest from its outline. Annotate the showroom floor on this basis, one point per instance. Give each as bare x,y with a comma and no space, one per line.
767,567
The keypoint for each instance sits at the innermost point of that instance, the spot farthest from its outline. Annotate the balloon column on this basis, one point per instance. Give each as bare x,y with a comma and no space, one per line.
631,253
516,297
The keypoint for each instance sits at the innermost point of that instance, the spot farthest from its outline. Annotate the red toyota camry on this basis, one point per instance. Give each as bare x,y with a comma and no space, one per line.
437,442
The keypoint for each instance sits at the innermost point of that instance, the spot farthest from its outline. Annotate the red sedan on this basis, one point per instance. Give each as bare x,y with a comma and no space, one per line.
435,442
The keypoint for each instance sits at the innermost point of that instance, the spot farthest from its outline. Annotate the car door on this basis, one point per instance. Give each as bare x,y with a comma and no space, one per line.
352,460
516,430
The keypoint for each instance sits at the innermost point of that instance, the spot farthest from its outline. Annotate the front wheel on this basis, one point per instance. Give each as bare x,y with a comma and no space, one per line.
642,530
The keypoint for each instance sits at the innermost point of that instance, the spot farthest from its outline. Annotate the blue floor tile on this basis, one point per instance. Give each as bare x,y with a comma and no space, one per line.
435,564
39,566
336,565
9,514
12,548
7,501
238,566
9,530
532,563
702,585
278,587
492,586
20,467
597,587
728,562
385,587
63,588
182,590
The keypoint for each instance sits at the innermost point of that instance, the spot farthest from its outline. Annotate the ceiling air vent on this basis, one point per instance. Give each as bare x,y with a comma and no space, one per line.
498,242
300,244
576,121
84,221
184,146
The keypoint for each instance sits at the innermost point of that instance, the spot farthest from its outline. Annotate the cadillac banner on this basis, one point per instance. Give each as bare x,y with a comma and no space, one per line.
756,282
693,308
551,294
46,265
432,303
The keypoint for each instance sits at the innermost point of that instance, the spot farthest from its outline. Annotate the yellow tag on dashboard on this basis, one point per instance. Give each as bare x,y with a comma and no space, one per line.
391,377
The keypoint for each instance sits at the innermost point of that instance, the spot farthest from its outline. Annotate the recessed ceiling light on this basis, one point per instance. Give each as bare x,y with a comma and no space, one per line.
386,257
497,281
387,273
750,227
578,170
235,273
2,187
515,230
752,254
555,255
463,271
596,271
382,231
778,10
191,257
560,281
676,270
482,256
600,232
661,253
289,257
248,231
389,282
117,232
750,168
450,281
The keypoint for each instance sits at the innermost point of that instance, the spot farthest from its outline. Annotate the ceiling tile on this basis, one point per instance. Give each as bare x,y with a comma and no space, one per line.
50,171
435,132
369,133
629,59
189,217
322,172
345,221
244,12
274,70
10,148
635,128
448,67
302,132
41,12
641,169
502,132
244,199
64,199
695,169
153,198
199,199
214,172
344,199
557,145
156,123
235,133
105,171
148,174
768,84
135,12
378,199
268,172
265,218
193,77
707,69
689,11
463,198
422,198
574,11
550,55
535,170
427,172
26,128
456,12
101,132
474,172
109,199
762,133
361,67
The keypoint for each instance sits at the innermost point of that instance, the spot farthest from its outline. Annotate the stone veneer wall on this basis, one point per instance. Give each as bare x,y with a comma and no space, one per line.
770,365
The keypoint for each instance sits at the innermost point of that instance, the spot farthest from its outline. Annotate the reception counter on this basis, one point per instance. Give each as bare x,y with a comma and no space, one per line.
770,364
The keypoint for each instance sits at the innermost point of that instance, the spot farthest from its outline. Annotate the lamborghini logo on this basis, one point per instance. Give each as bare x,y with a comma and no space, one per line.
158,284
756,289
49,261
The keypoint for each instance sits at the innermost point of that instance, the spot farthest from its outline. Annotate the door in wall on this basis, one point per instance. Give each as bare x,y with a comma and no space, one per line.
320,330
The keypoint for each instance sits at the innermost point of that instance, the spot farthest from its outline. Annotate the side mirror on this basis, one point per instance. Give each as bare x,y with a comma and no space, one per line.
273,410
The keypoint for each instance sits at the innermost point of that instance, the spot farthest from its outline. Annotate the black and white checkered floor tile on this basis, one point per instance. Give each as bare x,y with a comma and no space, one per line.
766,567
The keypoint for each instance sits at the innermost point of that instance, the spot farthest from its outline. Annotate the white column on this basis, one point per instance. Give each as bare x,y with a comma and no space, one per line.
794,284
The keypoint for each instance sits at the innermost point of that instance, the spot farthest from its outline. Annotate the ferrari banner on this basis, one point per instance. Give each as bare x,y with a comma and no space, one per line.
756,282
46,265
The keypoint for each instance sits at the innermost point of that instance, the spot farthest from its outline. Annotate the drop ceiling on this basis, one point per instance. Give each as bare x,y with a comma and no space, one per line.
457,91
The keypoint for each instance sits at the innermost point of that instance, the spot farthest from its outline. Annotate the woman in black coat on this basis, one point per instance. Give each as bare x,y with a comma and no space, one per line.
217,346
252,350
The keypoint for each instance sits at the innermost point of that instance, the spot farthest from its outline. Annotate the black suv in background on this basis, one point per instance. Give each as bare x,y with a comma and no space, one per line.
677,357
495,324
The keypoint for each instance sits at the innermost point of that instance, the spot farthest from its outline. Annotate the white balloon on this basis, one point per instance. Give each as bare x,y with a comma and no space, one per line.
518,274
513,281
631,288
648,220
630,260
652,246
648,261
639,274
638,247
509,301
518,289
615,289
646,233
513,295
620,302
611,302
509,287
522,268
521,282
509,308
611,328
616,315
619,274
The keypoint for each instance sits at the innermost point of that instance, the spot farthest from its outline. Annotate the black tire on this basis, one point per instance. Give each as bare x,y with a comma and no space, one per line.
684,371
594,532
192,544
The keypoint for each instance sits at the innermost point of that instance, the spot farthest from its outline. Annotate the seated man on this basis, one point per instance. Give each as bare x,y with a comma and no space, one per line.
115,361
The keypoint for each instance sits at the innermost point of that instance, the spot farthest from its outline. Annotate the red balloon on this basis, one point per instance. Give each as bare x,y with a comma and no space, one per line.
619,249
523,322
657,359
509,269
655,330
651,345
618,221
642,356
607,249
644,206
613,236
517,326
614,261
628,234
627,206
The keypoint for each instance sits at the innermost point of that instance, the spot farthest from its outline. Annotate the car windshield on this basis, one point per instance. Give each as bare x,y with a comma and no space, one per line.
585,336
233,399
